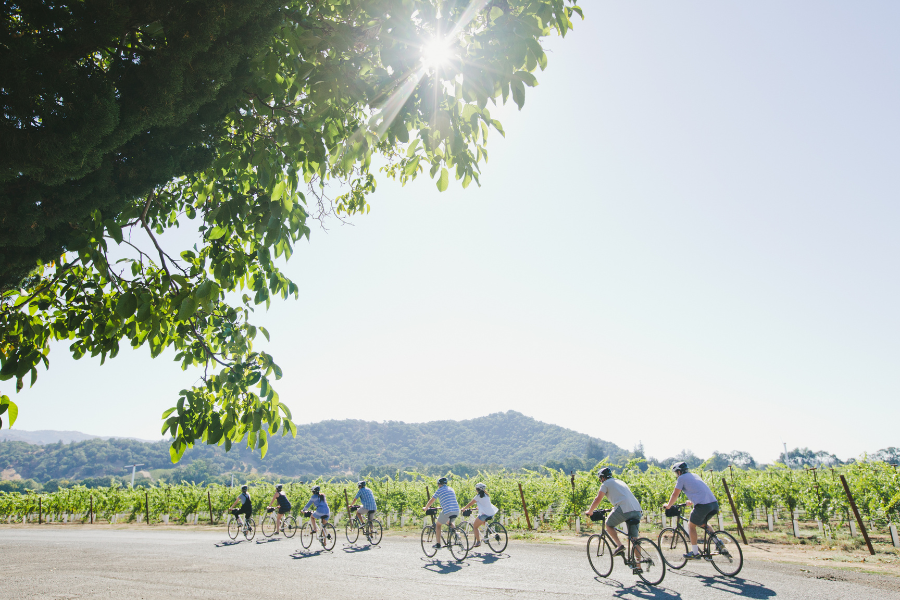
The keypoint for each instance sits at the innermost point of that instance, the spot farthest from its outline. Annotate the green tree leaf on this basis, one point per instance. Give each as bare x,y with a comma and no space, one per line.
126,305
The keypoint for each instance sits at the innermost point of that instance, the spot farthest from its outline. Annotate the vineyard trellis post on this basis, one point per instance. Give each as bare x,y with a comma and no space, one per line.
737,518
524,506
347,501
209,501
40,511
147,506
92,509
859,520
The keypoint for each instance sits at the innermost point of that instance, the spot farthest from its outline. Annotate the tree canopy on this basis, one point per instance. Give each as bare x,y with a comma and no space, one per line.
245,119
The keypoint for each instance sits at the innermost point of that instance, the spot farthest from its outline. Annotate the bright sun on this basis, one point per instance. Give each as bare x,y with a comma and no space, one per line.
436,53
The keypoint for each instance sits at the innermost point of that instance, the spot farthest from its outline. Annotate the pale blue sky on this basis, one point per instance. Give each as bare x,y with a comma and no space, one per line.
687,238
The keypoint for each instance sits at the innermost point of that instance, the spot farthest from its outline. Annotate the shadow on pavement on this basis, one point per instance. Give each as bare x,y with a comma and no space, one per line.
488,559
732,585
642,590
298,554
228,543
352,548
442,567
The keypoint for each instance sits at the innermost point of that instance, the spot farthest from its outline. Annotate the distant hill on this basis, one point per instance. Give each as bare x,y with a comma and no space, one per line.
44,436
345,447
51,436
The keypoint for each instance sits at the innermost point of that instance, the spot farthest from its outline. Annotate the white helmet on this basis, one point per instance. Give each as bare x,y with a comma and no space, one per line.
480,486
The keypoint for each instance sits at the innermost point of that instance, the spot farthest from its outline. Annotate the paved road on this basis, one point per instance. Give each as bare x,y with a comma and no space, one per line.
95,563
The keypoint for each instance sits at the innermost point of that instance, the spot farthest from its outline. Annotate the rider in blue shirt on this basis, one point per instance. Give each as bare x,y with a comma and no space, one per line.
449,507
368,504
321,509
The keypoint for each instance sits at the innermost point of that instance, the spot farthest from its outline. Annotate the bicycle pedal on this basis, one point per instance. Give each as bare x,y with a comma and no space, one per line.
637,571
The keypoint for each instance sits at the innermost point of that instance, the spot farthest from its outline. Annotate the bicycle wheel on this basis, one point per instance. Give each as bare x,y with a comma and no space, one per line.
725,553
352,531
496,537
428,541
375,536
647,556
289,526
330,537
600,555
459,544
233,528
306,535
249,529
673,546
467,528
268,526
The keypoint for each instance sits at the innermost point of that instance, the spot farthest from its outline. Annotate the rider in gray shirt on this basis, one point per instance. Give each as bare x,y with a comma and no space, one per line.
699,494
626,507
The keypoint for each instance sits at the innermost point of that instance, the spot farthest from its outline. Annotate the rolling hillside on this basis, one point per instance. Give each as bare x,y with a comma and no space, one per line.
345,447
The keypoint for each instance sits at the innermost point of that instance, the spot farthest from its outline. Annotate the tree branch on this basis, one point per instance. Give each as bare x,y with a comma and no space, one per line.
162,255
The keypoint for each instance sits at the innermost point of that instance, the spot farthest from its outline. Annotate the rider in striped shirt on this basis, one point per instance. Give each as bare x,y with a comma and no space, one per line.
449,506
368,504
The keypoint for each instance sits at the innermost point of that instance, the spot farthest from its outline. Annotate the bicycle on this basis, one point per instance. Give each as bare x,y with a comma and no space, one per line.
356,525
236,525
642,555
453,538
327,534
288,524
719,547
493,533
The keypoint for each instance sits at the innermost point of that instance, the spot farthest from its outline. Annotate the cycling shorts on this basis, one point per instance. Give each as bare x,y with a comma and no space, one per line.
701,513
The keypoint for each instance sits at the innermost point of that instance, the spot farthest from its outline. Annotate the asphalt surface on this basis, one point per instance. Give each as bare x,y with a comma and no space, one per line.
95,563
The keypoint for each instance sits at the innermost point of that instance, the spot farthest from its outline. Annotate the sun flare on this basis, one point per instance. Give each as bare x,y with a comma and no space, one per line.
436,53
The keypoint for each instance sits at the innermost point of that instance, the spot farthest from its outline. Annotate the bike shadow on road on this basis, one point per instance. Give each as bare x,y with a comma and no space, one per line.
648,592
269,540
353,549
732,585
442,567
227,543
488,559
637,590
299,554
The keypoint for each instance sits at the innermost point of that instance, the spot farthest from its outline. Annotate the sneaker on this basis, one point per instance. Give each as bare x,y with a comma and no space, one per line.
436,546
619,550
693,555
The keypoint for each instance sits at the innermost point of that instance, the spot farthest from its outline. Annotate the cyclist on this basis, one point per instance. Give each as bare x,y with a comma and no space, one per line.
246,508
368,505
321,509
449,506
699,494
284,506
486,510
626,507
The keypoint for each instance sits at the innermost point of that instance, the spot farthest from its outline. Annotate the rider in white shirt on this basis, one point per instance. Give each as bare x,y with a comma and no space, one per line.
486,510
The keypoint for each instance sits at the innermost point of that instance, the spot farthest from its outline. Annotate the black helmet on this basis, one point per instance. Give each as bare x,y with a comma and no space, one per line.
680,466
442,481
605,472
361,484
278,487
244,488
315,490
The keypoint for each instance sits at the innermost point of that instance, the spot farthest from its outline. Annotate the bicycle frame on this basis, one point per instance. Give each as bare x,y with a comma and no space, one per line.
706,529
627,553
